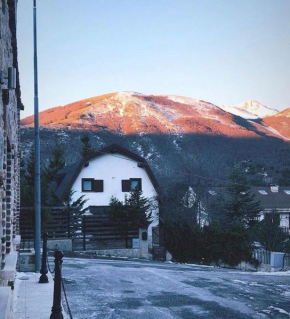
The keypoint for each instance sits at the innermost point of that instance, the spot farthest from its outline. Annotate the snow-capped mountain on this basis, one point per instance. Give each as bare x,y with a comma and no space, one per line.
134,113
250,110
176,135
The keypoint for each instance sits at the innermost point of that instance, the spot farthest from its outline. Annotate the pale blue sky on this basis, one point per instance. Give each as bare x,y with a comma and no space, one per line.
222,51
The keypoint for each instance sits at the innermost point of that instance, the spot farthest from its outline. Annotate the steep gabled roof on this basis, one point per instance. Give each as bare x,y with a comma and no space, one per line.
68,175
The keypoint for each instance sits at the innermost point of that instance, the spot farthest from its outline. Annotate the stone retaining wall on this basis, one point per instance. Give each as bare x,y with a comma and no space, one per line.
10,105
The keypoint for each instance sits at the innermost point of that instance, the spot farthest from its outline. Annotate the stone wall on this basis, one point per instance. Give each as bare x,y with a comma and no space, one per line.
10,105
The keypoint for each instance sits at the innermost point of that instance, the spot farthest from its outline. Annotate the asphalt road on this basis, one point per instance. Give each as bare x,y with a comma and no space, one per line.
125,289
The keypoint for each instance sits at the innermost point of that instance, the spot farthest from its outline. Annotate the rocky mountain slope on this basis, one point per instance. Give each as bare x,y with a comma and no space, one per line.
133,113
279,122
183,139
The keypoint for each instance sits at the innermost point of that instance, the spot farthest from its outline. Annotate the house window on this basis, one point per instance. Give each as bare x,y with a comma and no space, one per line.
135,184
92,185
87,184
131,184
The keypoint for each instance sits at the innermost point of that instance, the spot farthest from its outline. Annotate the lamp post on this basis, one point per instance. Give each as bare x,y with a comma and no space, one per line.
37,237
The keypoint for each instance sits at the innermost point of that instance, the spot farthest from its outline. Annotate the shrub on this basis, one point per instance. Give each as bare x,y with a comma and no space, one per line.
212,244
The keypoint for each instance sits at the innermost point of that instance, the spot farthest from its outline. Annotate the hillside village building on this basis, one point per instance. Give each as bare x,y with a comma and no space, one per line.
112,171
10,106
272,199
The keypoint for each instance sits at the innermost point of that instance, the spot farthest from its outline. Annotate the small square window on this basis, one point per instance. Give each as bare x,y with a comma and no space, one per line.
135,184
87,184
131,184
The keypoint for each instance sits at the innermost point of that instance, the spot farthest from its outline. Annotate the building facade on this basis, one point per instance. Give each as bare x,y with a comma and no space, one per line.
110,172
10,106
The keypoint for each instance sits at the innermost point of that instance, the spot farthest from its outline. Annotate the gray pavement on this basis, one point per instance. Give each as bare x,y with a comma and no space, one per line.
32,300
126,289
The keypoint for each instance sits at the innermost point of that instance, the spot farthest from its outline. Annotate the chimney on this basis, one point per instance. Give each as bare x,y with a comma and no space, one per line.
274,188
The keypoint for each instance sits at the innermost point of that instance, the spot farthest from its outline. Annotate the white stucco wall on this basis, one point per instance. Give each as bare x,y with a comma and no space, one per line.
284,220
112,169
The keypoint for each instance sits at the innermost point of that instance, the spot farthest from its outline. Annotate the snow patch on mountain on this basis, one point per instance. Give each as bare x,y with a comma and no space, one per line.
237,111
182,99
249,110
257,108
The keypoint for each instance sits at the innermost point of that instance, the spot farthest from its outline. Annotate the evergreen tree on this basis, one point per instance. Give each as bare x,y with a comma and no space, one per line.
74,210
27,189
269,233
86,146
139,208
228,244
57,162
133,213
241,205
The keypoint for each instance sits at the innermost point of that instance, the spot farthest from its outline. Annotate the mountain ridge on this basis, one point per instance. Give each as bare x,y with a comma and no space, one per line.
135,113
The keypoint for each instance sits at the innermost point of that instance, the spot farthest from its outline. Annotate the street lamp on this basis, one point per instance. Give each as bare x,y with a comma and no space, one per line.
37,243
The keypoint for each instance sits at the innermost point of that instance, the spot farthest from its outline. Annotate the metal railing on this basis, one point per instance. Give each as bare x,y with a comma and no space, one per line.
56,311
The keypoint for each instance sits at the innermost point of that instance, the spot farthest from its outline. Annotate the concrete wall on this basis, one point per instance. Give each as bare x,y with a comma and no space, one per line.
10,105
59,244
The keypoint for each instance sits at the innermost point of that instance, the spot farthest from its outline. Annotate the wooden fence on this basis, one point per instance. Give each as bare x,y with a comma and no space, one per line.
87,232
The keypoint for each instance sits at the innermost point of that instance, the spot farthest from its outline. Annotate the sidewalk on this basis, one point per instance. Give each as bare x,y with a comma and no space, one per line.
32,300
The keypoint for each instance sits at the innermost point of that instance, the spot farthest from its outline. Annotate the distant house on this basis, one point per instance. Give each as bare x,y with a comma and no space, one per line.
273,198
112,171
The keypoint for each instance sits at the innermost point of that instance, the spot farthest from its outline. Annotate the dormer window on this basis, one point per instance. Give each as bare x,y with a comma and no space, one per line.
263,192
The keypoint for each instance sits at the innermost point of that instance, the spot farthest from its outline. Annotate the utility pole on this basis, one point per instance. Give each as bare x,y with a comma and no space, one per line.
37,233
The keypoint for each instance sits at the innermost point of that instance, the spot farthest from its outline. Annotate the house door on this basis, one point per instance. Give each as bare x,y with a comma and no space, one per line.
155,236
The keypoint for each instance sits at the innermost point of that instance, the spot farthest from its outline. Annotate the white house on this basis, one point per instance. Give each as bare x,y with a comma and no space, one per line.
112,171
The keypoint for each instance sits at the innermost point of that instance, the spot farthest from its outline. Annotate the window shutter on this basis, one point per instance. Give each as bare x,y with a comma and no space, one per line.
126,185
98,185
